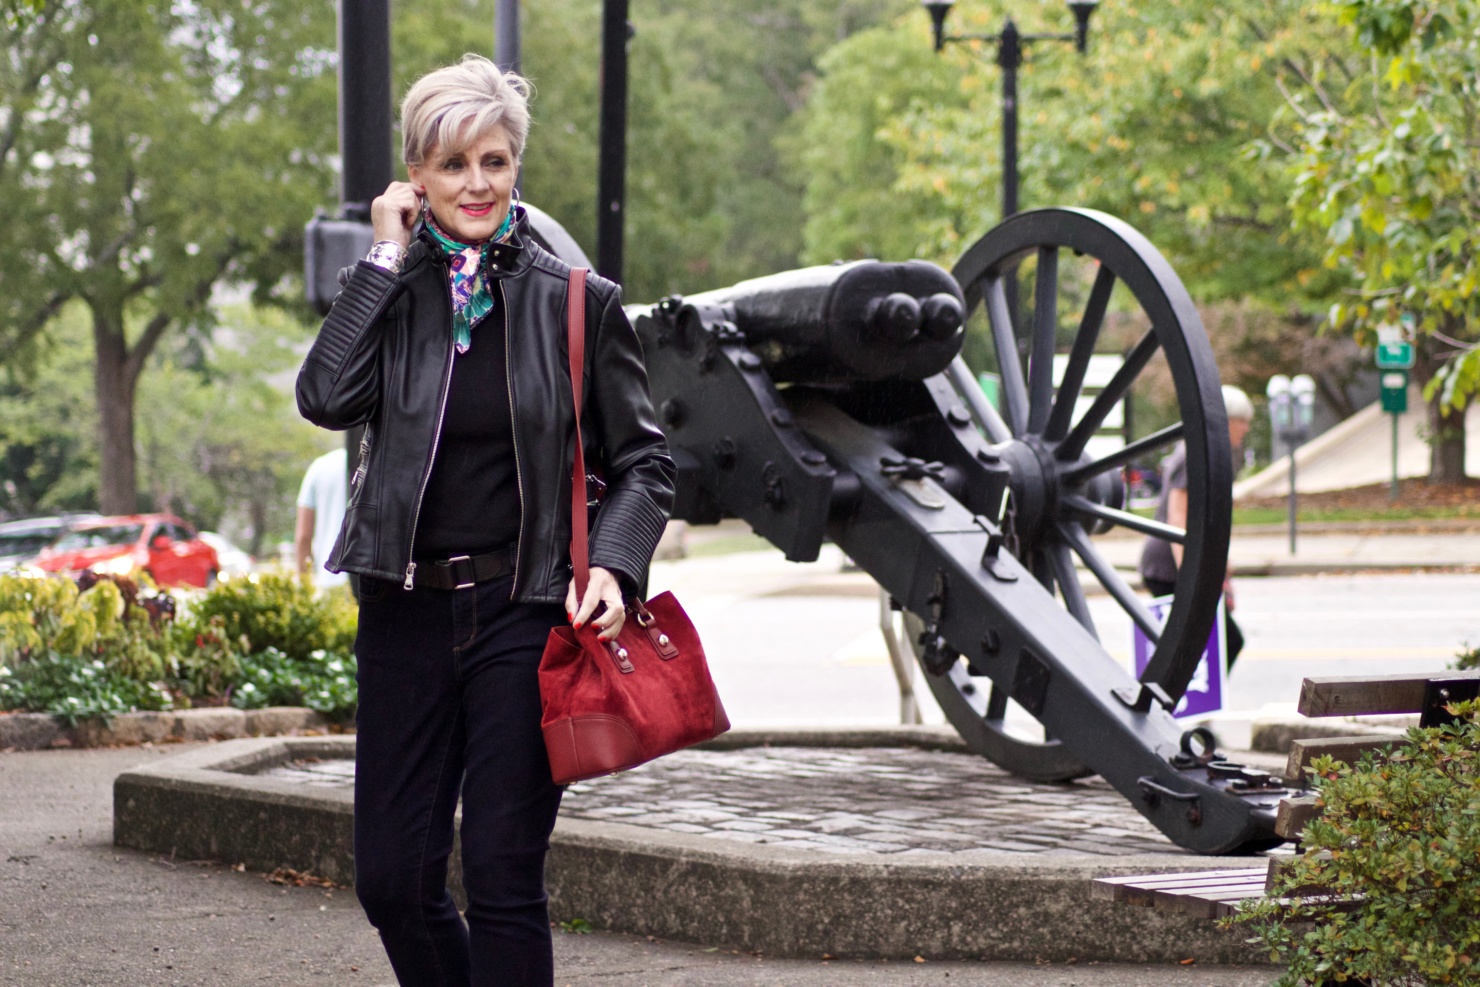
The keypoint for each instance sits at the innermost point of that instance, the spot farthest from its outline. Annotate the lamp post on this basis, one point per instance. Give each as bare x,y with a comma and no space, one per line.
1010,48
1292,405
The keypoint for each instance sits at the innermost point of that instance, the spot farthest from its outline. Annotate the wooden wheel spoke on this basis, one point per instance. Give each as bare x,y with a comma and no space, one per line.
1014,390
1125,519
971,392
1045,324
1122,456
996,703
1068,579
1135,361
1117,587
1083,348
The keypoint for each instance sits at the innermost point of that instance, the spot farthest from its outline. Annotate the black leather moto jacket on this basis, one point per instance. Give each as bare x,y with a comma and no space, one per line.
383,358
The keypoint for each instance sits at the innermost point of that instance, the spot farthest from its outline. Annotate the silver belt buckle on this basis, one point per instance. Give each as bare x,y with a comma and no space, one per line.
452,563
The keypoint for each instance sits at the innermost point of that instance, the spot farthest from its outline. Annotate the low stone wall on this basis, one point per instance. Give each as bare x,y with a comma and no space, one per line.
208,803
39,731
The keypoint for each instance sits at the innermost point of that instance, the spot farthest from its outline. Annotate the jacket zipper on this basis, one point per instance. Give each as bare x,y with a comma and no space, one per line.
426,474
513,430
364,464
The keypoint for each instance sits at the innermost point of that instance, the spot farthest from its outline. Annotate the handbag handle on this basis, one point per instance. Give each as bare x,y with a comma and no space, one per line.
575,307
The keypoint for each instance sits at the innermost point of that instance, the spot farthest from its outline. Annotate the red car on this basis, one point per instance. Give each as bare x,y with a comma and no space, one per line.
160,544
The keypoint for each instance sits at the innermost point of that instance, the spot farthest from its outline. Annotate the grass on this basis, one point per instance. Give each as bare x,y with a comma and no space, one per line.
1278,515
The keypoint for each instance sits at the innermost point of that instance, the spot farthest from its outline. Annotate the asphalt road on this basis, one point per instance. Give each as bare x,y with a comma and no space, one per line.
799,644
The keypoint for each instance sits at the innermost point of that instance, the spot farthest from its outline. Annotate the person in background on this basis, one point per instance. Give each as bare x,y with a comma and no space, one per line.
321,501
1160,559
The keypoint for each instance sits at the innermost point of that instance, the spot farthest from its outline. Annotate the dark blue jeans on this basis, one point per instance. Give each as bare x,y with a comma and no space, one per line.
449,703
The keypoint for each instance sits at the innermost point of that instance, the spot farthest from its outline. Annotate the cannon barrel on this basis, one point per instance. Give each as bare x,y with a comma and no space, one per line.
857,321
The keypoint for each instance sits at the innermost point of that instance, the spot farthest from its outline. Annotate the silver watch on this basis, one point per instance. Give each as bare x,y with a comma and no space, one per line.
387,254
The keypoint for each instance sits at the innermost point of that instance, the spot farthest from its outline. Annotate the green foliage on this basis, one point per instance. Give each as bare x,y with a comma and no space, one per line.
324,681
150,152
1386,175
903,149
75,688
1398,840
254,642
275,610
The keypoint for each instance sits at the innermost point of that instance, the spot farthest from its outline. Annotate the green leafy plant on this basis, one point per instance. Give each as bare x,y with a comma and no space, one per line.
275,610
324,682
1387,888
76,689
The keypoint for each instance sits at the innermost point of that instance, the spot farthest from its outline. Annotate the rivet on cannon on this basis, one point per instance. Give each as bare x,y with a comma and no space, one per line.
814,458
724,453
991,642
959,416
781,418
749,361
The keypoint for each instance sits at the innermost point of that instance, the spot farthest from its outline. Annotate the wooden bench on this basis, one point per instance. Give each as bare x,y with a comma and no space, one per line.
1216,893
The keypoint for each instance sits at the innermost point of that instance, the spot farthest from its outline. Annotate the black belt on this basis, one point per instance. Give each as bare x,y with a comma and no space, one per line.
462,571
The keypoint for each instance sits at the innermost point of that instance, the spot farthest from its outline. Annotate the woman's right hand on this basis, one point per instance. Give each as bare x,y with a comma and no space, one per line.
394,212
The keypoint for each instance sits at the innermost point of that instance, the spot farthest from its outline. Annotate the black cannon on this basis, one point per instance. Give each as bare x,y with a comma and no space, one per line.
831,402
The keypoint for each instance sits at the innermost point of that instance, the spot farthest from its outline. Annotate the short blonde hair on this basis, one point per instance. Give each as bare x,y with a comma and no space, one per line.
451,107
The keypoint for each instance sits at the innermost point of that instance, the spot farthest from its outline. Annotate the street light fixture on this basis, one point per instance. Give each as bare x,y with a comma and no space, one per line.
1292,409
1010,45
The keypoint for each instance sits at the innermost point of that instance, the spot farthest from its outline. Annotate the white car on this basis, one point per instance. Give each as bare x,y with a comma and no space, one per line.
231,560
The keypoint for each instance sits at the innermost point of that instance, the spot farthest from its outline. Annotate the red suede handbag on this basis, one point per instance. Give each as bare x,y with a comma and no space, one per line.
613,705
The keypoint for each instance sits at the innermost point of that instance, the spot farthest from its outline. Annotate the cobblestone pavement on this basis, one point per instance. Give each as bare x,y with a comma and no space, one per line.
894,801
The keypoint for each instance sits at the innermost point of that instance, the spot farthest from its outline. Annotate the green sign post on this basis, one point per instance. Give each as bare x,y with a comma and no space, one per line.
1394,398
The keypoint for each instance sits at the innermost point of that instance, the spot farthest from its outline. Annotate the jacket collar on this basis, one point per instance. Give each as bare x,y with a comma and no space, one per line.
507,259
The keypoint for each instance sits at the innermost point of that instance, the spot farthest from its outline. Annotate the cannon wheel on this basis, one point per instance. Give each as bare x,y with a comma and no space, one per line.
1060,496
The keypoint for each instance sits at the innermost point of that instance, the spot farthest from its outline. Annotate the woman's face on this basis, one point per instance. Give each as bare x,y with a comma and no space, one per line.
469,192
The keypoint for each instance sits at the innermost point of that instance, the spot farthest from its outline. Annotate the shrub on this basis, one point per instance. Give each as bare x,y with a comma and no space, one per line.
75,689
325,682
277,610
1398,839
111,648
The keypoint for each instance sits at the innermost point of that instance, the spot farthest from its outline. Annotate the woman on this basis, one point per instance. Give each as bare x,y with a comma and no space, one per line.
448,343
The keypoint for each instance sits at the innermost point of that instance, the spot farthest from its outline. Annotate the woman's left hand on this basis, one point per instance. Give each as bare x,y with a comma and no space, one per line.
603,588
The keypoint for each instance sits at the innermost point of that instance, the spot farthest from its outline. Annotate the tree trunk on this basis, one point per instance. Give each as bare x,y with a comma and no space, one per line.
258,512
1446,444
114,380
1446,436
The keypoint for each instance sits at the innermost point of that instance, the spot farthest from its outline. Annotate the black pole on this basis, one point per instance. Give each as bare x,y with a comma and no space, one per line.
1009,57
506,47
364,103
611,180
364,122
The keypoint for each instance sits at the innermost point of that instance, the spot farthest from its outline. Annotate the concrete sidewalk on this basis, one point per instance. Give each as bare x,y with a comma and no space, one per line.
1264,550
76,911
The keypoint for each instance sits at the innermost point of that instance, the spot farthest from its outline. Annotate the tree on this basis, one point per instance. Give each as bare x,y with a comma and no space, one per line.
148,153
1388,171
1169,121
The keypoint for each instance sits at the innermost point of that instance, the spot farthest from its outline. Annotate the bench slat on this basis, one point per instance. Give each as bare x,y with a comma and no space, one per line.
1141,889
1367,694
1293,814
1347,749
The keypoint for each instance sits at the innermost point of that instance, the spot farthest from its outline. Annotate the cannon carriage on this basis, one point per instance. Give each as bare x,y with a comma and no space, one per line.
832,402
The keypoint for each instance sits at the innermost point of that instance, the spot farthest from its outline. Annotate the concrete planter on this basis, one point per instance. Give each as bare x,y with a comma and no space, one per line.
209,803
39,731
